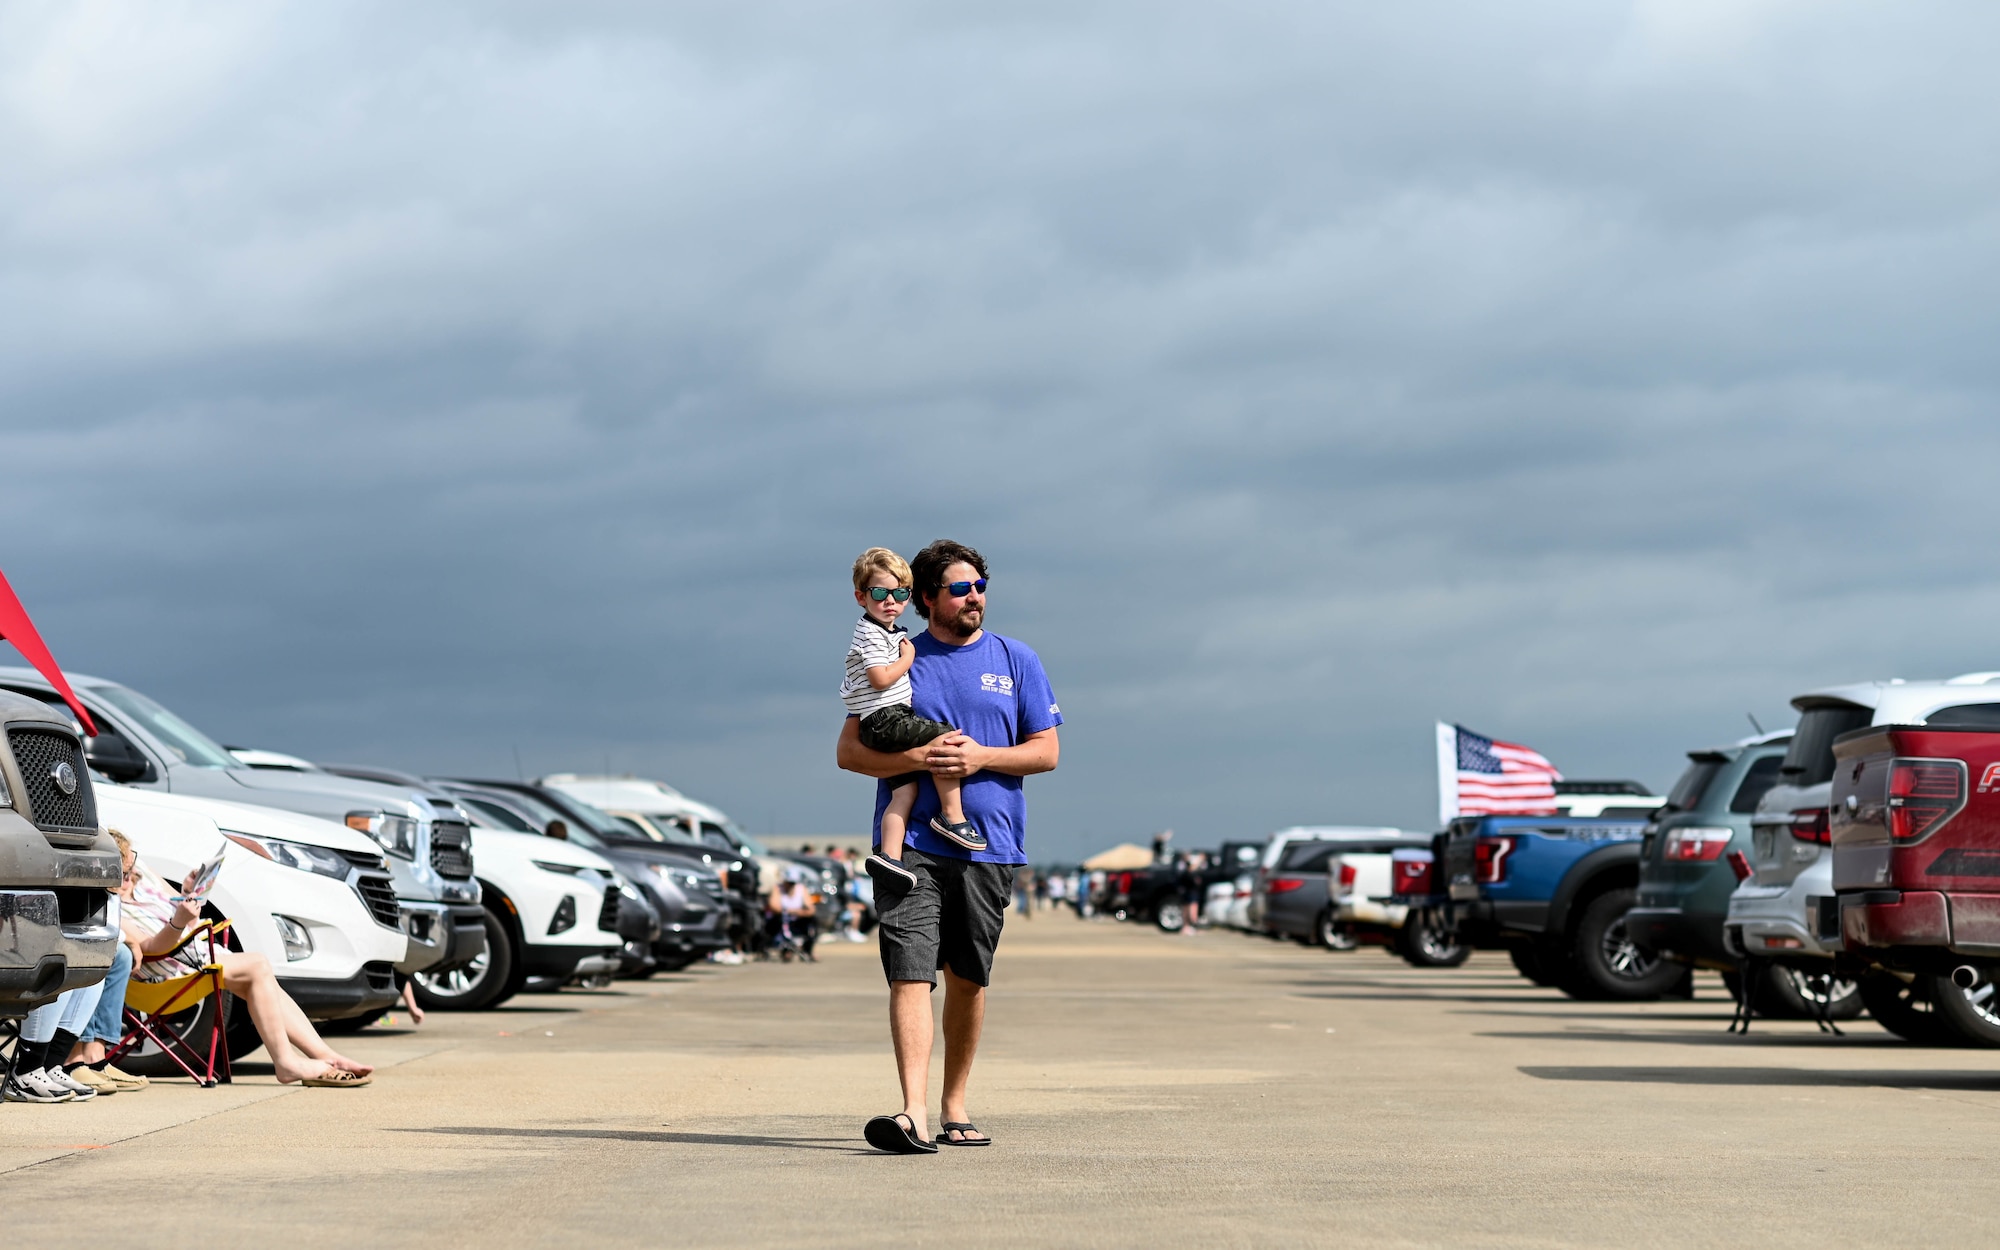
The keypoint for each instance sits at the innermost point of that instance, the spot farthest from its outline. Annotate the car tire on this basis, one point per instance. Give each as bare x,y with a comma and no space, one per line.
1333,936
1422,944
1974,1014
1540,964
1170,915
1794,994
1607,963
490,979
1905,1009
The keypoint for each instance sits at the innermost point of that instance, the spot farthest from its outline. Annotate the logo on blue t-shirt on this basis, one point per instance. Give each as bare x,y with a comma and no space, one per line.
996,683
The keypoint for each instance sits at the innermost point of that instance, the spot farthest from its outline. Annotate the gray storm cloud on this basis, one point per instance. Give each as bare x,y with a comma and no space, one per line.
422,386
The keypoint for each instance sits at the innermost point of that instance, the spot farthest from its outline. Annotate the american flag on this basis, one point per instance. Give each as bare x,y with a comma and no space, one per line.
1481,776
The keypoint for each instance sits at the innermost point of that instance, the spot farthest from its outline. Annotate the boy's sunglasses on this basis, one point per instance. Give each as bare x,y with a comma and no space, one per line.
959,590
901,594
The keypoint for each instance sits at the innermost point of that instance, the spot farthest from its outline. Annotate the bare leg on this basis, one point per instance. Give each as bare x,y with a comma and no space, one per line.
964,1019
910,1029
86,1052
296,1049
410,1003
949,806
896,820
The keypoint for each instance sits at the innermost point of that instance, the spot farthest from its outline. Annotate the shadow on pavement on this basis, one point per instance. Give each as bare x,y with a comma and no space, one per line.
846,1146
1771,1076
1682,1037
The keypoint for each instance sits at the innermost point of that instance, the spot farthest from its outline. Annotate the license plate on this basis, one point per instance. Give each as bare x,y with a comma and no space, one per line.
1764,843
1463,893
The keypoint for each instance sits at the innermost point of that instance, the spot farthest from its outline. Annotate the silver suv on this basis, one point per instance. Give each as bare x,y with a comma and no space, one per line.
57,868
427,836
1786,910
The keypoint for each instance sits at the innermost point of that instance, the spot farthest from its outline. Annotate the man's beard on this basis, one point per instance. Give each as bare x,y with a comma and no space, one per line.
966,623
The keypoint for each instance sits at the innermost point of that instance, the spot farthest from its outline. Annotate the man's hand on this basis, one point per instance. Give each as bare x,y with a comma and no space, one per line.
955,755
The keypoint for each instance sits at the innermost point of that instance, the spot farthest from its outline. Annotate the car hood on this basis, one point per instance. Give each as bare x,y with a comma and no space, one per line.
125,802
535,846
340,795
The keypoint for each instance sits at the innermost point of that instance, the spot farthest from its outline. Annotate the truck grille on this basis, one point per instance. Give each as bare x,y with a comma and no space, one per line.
607,915
451,850
38,753
379,894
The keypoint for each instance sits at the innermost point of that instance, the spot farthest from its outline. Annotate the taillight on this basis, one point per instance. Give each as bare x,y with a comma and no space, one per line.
1284,885
1923,795
1809,824
1739,864
1489,859
1413,873
1347,874
1690,845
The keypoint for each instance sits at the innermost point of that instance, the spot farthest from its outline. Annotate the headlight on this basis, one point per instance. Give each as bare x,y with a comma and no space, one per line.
395,834
568,870
295,855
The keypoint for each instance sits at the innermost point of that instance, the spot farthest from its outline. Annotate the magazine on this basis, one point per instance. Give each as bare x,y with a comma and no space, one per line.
204,878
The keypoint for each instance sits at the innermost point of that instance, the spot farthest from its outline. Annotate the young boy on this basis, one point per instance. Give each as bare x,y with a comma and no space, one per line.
877,689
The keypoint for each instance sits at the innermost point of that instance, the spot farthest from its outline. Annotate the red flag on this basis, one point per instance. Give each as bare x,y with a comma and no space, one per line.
16,628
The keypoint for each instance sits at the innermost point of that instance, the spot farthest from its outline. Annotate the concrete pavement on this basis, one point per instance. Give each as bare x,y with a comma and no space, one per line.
1214,1090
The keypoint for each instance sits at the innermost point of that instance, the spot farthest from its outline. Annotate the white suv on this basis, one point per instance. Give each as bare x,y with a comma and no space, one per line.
1786,909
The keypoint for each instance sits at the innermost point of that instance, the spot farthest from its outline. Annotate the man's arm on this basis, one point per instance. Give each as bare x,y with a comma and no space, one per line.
855,758
956,755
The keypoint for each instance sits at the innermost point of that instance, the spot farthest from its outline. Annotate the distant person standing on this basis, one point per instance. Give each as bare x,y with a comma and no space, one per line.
994,690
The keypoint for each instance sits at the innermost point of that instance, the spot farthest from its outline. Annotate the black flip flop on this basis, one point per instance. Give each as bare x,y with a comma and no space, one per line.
886,1132
945,1129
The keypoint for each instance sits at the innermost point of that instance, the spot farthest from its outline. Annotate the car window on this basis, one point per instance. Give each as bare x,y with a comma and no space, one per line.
1307,857
637,828
1809,761
1694,783
1967,715
1762,776
189,744
498,816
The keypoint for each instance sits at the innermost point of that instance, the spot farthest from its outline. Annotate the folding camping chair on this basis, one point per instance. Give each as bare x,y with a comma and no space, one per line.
149,1003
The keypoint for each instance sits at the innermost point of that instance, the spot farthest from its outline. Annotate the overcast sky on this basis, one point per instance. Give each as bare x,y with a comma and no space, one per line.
419,386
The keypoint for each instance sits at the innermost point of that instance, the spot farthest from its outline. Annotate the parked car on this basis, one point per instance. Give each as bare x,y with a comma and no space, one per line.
1553,891
1231,878
1686,879
697,913
1778,913
1361,893
428,841
1426,937
57,867
1298,894
1150,895
313,897
1280,843
1915,814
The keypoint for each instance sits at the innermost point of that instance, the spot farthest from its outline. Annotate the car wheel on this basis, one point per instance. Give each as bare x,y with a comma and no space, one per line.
1608,963
1170,915
1905,1009
1799,994
1333,936
1423,944
1973,1014
486,981
1542,967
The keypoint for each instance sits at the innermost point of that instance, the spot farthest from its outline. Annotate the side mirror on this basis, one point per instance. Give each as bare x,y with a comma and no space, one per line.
113,754
559,831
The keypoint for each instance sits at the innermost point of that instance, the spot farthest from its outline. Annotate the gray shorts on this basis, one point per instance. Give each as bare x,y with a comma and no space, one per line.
950,918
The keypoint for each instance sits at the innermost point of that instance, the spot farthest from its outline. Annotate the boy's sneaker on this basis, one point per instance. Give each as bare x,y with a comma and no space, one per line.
54,1075
889,873
30,1087
962,833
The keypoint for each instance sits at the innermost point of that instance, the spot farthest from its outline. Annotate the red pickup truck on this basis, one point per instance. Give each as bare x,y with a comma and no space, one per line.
1915,824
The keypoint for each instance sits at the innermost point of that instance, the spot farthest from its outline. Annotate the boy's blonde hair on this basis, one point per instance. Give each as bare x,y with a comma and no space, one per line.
880,560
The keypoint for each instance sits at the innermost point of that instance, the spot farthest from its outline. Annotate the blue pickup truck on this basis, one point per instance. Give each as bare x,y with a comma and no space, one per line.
1553,892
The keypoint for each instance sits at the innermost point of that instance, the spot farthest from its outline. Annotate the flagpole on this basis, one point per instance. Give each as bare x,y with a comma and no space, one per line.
1447,739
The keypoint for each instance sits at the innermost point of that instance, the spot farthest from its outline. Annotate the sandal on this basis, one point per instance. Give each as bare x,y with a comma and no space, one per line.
336,1078
897,1134
961,1129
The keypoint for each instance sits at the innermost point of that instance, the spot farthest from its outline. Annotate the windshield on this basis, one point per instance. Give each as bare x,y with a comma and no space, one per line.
498,816
189,744
1762,776
1810,759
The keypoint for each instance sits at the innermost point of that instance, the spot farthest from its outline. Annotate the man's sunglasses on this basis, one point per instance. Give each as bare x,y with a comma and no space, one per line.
959,590
901,594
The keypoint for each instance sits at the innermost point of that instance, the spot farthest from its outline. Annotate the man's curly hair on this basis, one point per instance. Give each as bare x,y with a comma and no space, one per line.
927,570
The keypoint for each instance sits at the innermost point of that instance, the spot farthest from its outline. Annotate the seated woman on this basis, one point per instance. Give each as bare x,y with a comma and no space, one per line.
159,925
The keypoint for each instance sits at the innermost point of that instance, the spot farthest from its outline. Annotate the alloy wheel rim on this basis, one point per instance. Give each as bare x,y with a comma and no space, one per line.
459,982
1623,955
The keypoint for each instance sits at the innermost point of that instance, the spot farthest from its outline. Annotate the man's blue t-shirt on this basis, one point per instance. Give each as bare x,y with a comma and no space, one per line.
996,692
